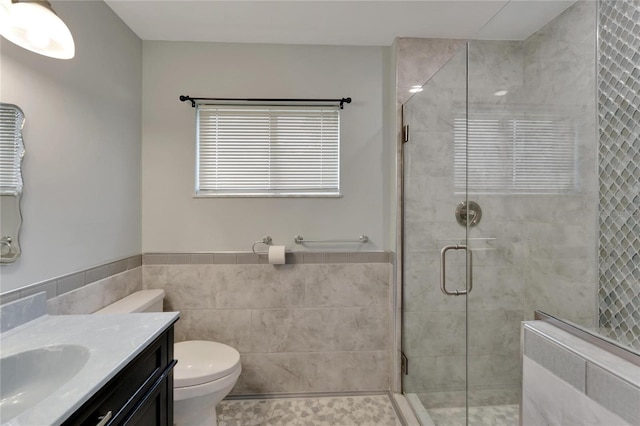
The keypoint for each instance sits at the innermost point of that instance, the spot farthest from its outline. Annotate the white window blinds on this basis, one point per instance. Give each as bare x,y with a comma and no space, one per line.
268,150
514,154
11,149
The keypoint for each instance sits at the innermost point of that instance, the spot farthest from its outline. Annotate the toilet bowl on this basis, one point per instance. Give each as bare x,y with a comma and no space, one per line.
205,373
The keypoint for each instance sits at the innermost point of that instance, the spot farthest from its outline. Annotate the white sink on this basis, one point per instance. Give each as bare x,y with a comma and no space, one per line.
26,378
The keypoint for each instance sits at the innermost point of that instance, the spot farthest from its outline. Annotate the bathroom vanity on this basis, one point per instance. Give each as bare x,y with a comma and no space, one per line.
140,394
89,370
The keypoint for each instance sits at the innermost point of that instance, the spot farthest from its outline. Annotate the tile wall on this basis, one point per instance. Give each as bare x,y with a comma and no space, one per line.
86,291
619,219
319,323
571,381
550,256
559,237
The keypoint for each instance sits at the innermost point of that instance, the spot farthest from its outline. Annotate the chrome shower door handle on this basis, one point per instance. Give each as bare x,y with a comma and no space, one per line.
443,269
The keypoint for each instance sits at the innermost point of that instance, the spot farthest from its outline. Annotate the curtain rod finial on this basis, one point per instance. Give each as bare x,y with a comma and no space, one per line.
188,98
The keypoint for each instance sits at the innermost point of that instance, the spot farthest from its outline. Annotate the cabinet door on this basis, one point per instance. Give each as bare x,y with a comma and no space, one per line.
132,386
156,408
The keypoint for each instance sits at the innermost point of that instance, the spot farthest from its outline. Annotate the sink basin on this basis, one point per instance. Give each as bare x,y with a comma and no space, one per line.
26,378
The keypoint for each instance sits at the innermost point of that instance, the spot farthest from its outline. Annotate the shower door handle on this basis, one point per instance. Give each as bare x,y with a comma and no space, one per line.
443,269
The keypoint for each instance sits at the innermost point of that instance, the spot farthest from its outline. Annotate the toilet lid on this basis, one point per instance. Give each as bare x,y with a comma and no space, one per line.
201,362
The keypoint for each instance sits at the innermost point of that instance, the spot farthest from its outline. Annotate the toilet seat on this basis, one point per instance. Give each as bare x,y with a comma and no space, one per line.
201,362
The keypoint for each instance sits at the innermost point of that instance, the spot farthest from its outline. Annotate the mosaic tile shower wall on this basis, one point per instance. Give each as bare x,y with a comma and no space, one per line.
619,163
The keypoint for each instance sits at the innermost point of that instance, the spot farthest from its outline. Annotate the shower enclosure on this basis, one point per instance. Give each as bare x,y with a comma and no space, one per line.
504,176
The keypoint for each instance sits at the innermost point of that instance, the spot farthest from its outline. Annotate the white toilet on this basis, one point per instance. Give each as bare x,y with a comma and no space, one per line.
205,373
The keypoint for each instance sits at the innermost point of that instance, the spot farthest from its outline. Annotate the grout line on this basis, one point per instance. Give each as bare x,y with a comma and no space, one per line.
231,258
304,308
304,395
333,352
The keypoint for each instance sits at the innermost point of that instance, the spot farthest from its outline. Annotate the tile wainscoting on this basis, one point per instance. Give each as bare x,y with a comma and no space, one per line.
318,324
86,291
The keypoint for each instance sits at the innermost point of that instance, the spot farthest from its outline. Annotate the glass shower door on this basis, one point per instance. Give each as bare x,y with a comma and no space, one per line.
434,184
532,167
496,123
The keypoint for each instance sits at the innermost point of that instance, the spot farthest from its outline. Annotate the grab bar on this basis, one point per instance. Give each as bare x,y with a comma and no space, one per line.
298,239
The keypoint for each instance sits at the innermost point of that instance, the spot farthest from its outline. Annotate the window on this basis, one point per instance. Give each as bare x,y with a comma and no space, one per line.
266,150
514,154
11,149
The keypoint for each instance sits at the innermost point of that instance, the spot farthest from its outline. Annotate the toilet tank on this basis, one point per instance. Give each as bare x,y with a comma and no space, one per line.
140,301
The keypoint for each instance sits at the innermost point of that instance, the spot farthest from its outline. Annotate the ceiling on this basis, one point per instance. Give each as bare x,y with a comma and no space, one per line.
367,23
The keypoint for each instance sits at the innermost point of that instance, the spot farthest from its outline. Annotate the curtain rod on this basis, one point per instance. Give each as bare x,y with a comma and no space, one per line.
342,101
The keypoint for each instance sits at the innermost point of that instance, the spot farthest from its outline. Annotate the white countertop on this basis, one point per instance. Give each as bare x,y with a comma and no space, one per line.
113,340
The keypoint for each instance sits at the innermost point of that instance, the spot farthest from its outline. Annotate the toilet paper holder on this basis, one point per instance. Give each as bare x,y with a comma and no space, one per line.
266,240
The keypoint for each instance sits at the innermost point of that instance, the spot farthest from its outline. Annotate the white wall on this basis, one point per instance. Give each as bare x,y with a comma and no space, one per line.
81,203
173,221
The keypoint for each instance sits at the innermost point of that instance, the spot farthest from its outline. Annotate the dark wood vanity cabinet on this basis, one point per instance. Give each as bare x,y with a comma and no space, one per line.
140,394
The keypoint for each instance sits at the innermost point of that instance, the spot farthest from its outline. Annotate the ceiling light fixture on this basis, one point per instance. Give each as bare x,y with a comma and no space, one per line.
34,26
501,93
4,12
415,89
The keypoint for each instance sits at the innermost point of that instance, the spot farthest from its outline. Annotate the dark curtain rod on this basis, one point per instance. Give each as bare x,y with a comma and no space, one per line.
193,100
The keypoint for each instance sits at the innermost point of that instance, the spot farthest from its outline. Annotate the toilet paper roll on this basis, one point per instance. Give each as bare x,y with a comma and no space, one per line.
276,255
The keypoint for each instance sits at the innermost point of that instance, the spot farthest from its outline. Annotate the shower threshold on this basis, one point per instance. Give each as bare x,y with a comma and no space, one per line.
486,415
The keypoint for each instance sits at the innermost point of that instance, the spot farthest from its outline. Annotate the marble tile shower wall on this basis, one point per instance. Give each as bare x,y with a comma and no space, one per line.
556,251
435,325
299,327
532,253
619,113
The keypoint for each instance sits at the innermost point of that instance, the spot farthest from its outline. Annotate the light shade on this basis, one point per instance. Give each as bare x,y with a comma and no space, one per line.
36,27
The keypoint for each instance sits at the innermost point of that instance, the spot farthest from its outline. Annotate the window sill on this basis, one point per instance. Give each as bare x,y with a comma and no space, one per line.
284,195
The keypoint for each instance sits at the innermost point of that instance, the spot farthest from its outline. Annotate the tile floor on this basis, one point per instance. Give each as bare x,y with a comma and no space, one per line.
493,415
370,410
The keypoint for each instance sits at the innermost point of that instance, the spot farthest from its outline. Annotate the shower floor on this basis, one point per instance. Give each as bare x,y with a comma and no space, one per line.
485,415
491,415
369,410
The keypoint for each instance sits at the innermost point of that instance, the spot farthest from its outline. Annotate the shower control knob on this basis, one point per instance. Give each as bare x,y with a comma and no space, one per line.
470,213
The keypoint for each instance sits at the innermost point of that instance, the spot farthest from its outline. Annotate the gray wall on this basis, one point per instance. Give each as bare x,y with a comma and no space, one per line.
81,205
173,221
326,312
619,112
320,324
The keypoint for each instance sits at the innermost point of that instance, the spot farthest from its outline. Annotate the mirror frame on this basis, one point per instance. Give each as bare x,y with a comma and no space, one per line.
10,249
